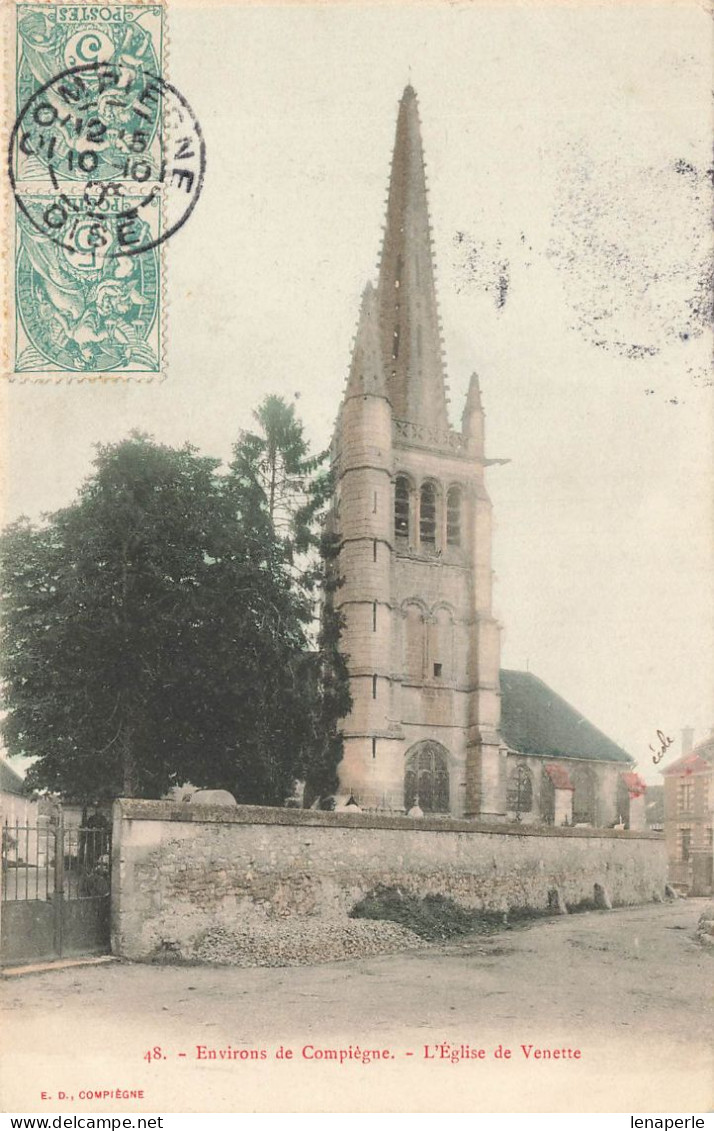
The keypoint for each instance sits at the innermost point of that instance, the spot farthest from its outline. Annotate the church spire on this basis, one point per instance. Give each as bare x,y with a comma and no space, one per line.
411,342
366,371
472,418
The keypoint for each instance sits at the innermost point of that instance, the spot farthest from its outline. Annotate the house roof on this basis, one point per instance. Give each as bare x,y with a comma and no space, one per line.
535,720
10,781
697,761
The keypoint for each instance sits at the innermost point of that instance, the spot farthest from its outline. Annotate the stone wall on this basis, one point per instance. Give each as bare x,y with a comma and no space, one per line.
180,870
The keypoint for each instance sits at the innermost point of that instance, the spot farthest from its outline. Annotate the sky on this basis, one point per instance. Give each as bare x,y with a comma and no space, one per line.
568,155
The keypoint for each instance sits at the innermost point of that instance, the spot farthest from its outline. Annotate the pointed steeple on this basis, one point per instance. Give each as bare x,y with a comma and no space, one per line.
473,397
409,322
472,417
366,371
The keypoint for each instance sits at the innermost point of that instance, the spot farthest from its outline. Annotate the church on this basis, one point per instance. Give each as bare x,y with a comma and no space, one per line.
436,726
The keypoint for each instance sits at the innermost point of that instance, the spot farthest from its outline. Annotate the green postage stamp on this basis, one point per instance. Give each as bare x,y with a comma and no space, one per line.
105,162
84,308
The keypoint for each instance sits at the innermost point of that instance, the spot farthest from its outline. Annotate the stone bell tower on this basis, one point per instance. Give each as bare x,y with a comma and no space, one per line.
414,518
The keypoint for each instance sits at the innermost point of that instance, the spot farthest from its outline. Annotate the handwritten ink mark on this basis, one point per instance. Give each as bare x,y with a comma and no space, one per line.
665,743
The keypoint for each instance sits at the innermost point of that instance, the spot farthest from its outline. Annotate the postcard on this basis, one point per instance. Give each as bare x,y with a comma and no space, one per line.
357,557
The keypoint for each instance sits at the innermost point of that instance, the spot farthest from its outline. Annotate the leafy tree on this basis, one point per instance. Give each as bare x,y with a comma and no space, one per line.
159,629
151,638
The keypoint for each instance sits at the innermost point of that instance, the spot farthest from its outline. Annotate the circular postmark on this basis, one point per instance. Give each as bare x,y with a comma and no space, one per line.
106,158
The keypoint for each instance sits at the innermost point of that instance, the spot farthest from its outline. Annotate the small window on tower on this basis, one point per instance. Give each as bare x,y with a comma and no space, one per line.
453,517
427,515
437,671
401,508
395,344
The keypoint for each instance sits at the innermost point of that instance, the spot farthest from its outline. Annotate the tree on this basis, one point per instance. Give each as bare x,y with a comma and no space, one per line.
281,489
331,699
288,488
151,638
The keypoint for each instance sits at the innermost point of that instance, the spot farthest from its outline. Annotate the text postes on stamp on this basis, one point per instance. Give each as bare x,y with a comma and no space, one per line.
54,43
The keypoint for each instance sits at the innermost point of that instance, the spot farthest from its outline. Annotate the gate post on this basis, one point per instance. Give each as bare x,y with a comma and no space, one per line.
3,869
58,896
117,874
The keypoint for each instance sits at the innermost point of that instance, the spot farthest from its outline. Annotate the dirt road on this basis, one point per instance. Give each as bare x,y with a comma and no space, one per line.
629,991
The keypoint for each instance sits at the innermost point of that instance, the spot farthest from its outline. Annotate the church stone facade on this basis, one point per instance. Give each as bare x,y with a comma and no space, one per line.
414,518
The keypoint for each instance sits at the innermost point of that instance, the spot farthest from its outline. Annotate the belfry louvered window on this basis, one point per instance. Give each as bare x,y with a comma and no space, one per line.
401,507
427,514
453,517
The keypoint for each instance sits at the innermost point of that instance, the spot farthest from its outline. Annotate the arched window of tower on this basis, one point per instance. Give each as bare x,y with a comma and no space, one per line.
427,514
401,508
453,517
426,777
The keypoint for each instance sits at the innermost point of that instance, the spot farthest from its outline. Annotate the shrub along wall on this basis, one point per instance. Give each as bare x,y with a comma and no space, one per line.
180,870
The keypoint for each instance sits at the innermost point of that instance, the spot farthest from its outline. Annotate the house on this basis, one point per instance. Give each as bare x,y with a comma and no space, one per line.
688,813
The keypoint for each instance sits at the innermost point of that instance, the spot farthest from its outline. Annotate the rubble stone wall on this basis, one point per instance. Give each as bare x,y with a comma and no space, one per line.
179,871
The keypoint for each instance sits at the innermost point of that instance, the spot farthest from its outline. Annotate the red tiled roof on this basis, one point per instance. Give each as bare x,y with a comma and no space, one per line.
692,763
636,785
559,776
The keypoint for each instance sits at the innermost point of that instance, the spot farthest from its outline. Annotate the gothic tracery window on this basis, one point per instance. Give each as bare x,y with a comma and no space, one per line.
426,778
519,790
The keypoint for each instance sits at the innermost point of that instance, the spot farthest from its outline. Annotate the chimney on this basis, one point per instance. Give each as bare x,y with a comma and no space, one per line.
687,739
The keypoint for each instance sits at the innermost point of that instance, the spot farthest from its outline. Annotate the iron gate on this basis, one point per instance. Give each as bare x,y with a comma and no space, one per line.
55,891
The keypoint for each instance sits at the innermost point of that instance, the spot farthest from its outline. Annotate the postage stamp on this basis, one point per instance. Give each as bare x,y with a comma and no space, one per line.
84,127
81,306
105,162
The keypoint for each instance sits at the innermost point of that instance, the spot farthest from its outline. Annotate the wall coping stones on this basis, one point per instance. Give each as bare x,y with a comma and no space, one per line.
133,809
